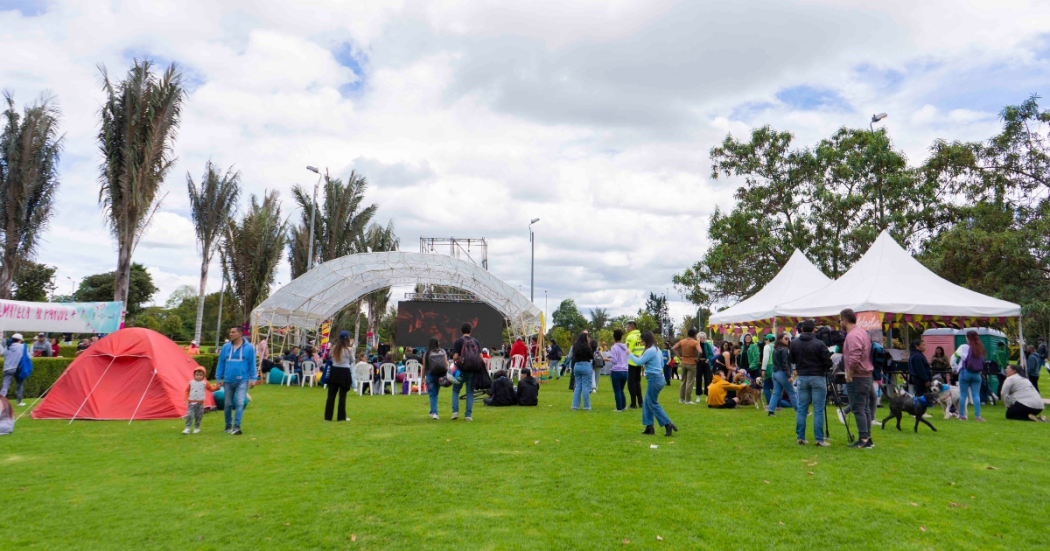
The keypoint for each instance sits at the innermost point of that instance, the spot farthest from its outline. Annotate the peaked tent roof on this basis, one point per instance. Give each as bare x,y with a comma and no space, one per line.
888,279
134,373
798,277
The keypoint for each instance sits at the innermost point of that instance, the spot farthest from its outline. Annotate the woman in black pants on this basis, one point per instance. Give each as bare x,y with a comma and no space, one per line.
339,378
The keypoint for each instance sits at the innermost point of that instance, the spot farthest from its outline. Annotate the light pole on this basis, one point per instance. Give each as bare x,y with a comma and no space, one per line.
871,126
313,208
532,262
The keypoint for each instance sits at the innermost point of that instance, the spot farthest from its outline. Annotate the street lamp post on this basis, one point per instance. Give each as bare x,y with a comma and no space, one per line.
313,207
878,178
532,262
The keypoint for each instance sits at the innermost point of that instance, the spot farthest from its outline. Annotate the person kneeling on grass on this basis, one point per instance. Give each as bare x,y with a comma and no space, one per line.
528,393
716,392
501,393
1023,402
195,394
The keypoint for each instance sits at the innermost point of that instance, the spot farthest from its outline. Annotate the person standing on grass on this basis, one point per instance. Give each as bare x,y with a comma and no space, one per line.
583,371
12,360
340,379
688,349
652,361
236,369
812,359
782,379
195,395
1033,366
704,361
618,369
435,366
634,371
856,355
466,352
970,376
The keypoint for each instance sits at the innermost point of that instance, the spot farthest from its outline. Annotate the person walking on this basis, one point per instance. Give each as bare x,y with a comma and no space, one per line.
634,371
782,379
553,357
340,378
812,360
704,359
754,361
466,352
856,354
435,366
919,370
12,360
583,371
767,367
236,370
652,361
688,349
618,369
970,376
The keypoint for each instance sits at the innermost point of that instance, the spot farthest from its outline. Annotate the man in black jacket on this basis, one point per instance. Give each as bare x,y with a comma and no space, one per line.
501,393
528,389
919,370
812,359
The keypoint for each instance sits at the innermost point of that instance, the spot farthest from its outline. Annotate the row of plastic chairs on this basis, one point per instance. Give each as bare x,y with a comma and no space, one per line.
388,376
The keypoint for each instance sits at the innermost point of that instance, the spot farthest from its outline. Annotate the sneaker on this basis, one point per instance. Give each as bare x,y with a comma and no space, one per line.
867,445
186,431
979,419
455,415
21,404
801,442
823,444
228,430
468,418
770,414
196,431
842,416
876,423
928,416
681,401
434,416
236,431
576,409
690,402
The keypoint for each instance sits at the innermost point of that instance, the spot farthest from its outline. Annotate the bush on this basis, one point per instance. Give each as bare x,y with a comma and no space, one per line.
45,372
207,361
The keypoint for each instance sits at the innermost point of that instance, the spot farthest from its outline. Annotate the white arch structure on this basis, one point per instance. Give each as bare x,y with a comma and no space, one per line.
318,294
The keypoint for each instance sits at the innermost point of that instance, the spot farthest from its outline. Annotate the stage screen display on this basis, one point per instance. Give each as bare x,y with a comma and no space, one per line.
417,321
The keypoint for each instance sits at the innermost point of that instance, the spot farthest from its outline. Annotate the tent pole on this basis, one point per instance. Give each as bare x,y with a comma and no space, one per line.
143,398
41,397
1020,333
88,397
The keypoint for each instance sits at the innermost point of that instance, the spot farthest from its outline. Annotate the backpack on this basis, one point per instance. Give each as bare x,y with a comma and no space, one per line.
437,363
470,356
25,367
599,360
972,361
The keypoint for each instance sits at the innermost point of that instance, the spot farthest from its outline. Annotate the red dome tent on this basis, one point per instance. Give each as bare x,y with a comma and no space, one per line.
131,374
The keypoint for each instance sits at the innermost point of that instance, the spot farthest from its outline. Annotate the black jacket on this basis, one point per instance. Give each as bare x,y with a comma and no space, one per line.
528,391
810,356
919,367
502,393
555,353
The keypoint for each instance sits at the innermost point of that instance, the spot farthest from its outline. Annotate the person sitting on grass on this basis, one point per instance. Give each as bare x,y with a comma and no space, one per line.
195,394
528,393
1023,402
7,417
501,393
716,392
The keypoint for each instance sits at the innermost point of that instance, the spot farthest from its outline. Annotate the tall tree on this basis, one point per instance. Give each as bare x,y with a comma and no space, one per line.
99,288
211,206
29,152
341,221
377,239
34,282
251,250
139,120
599,317
568,316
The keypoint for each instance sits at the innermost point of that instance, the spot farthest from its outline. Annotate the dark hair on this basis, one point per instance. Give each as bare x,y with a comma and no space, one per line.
617,334
466,328
1029,349
433,345
724,345
526,372
808,326
648,339
238,329
848,315
915,343
691,332
976,346
500,373
342,348
939,351
582,346
747,337
780,341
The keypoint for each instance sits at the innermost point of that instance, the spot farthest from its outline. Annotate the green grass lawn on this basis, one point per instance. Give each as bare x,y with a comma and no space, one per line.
518,478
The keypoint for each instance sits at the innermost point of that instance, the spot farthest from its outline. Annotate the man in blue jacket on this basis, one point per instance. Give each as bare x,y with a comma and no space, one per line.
236,370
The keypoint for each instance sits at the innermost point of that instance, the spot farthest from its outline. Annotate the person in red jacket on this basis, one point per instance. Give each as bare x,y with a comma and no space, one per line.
519,349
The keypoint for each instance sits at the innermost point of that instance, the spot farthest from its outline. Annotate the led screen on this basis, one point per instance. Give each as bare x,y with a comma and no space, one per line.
417,321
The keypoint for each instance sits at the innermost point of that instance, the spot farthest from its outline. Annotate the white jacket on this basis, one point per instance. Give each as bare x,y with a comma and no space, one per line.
1019,389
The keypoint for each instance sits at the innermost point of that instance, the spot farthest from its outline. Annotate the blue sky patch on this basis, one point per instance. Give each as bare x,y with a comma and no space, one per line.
809,98
354,59
28,8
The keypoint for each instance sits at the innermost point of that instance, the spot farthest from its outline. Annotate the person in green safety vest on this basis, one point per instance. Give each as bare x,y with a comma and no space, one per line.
1001,358
634,371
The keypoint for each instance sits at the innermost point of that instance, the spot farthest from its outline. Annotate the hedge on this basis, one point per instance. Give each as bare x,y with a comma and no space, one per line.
47,370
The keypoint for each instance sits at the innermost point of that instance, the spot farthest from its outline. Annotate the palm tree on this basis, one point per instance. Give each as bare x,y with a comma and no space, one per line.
29,151
341,221
139,121
211,206
376,239
599,317
251,250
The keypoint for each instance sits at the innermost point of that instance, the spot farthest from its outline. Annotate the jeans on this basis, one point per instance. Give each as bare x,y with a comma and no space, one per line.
651,406
685,393
859,398
583,373
619,380
464,379
634,383
432,390
194,414
667,375
595,376
236,393
20,386
969,385
703,378
781,384
811,390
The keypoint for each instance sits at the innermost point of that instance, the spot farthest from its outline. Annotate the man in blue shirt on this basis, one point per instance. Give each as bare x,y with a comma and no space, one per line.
236,370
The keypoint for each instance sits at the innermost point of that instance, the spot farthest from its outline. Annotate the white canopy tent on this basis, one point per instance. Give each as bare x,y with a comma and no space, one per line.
318,294
888,279
798,277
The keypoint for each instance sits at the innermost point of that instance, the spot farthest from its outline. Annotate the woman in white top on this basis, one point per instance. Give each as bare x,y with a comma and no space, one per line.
1023,402
339,378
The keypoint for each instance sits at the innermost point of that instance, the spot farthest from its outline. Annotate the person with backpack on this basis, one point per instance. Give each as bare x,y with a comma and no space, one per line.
435,366
970,376
13,355
466,353
598,364
553,357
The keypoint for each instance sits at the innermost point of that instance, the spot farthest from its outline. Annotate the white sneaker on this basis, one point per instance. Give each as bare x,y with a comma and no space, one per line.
689,402
876,423
21,404
468,418
927,416
455,415
842,417
681,401
196,431
186,431
434,416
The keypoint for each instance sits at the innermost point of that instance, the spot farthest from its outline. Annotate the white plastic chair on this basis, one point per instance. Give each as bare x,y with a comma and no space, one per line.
414,374
362,377
387,374
495,364
289,372
309,372
516,363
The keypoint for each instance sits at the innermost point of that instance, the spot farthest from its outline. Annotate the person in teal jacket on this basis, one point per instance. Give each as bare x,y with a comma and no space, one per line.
653,363
236,370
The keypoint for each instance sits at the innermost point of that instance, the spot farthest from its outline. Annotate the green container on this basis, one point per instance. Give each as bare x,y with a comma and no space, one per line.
990,338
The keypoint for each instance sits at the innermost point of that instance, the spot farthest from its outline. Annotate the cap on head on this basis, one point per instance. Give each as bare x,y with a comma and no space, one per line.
344,334
17,336
41,334
770,337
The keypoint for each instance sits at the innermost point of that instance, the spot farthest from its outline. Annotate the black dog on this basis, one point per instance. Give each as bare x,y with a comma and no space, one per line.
901,403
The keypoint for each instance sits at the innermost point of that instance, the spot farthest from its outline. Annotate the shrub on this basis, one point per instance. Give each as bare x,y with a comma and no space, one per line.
45,372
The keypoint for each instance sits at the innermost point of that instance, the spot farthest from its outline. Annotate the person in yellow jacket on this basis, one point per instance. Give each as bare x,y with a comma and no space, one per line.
716,392
634,371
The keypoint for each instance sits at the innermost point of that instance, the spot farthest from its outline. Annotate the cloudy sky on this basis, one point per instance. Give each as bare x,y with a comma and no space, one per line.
470,118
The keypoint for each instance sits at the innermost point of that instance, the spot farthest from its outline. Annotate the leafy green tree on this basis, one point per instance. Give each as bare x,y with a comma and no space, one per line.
656,307
211,206
34,282
599,318
180,295
29,153
140,117
99,288
341,221
251,251
567,316
172,327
